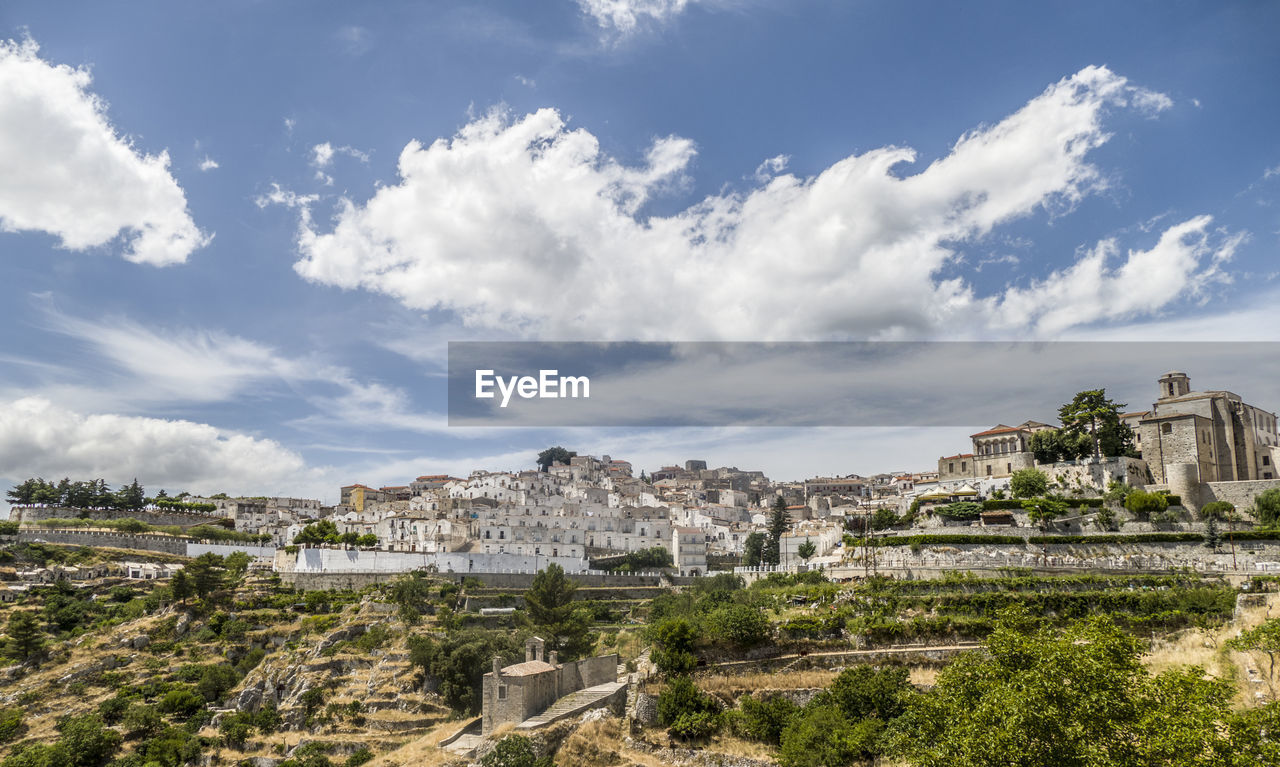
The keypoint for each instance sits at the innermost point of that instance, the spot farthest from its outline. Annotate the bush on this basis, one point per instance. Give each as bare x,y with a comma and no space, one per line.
824,737
1266,507
11,725
1217,510
1143,504
865,691
360,756
960,510
687,711
764,720
1027,483
742,625
511,751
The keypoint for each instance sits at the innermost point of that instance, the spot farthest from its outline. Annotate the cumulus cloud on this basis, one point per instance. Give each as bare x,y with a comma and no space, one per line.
525,224
38,438
1186,260
64,169
625,16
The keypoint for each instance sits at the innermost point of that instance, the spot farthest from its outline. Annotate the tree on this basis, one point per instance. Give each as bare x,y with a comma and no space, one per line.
739,624
1263,638
549,602
807,550
673,639
1079,695
130,496
458,662
553,455
883,518
1046,446
753,550
87,741
368,540
1212,537
25,637
1091,413
822,736
237,564
686,711
1028,483
409,593
779,523
180,586
1266,507
1045,509
324,531
206,574
1143,504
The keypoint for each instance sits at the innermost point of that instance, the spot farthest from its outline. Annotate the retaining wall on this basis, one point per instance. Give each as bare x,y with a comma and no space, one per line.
28,514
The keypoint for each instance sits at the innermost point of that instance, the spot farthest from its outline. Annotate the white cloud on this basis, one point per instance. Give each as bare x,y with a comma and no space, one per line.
64,170
38,438
625,16
1186,260
208,163
525,224
355,40
285,197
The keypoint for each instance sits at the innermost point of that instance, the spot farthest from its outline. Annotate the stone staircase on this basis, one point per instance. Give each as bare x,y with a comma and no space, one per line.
574,703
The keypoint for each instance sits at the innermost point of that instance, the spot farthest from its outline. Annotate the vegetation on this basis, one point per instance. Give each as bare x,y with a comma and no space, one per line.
459,661
549,602
753,550
1090,414
1266,507
1143,504
553,455
779,523
1028,483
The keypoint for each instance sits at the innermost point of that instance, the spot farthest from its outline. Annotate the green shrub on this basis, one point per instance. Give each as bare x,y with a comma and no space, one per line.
1143,504
685,710
960,510
1027,483
764,720
11,725
739,624
822,736
1219,510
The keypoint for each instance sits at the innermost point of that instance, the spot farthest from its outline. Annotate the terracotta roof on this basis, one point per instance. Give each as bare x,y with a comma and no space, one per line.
528,668
997,429
1134,413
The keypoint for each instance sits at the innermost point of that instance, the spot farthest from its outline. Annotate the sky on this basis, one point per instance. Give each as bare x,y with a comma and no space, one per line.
236,238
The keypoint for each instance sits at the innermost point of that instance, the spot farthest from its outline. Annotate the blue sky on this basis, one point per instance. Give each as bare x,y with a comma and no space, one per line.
268,312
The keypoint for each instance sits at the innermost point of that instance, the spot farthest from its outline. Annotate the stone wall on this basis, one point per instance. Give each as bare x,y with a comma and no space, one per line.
29,514
143,541
588,672
1240,494
1131,471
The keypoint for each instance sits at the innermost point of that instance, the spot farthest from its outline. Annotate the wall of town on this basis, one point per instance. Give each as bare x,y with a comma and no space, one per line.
1239,494
143,541
29,514
373,561
587,672
223,549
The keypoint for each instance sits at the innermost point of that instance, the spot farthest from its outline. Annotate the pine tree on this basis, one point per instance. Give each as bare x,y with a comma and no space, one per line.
779,522
1212,537
25,637
180,586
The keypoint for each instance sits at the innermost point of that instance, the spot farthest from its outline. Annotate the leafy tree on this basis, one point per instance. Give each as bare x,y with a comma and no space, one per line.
1051,696
1263,638
130,496
822,736
409,593
459,661
324,531
237,564
765,719
1266,507
1091,413
741,625
674,639
215,680
142,721
1045,509
1028,483
686,711
753,550
368,540
807,550
26,640
87,741
181,703
1046,446
779,523
866,691
549,601
553,455
1143,504
883,518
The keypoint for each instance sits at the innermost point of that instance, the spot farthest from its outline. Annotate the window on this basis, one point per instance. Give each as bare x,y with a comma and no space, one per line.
963,465
988,470
1166,428
1008,467
951,467
1266,460
502,692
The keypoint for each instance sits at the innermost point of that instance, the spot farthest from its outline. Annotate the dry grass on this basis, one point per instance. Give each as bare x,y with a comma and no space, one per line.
423,751
734,685
1206,648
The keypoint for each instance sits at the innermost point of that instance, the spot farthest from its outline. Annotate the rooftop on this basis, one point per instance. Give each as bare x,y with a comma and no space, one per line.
528,668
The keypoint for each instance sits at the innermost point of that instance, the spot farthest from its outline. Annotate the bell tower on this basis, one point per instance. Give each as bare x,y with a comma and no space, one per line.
1174,384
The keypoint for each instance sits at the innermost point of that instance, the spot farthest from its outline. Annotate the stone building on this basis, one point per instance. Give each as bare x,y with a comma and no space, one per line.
997,452
689,550
521,691
1214,435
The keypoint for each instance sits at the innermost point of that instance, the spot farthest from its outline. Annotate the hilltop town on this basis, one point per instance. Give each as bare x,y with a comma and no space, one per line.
585,613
